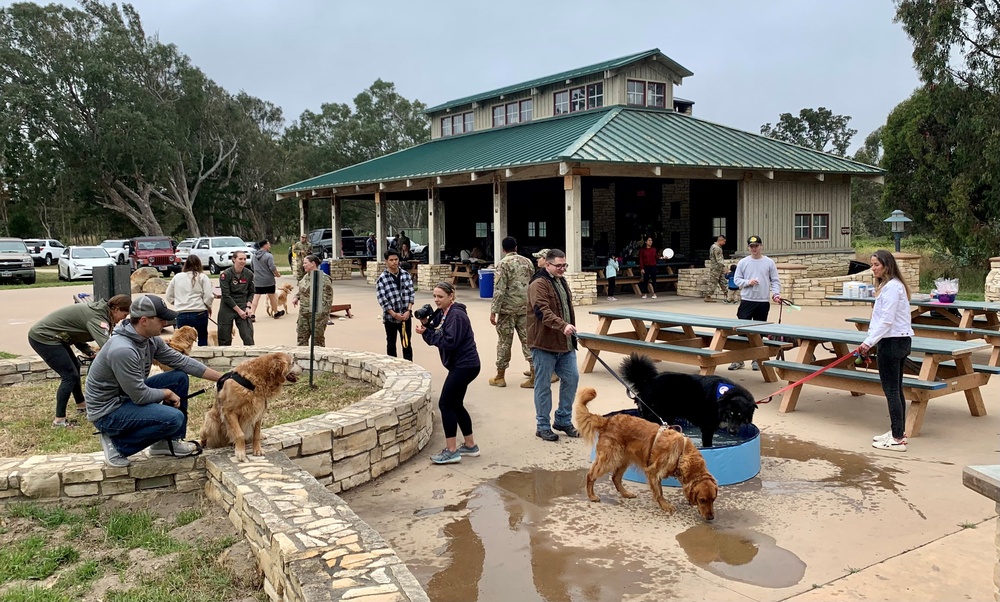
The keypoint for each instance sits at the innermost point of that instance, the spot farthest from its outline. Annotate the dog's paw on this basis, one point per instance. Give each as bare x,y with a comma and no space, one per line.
594,498
667,507
241,457
627,494
258,451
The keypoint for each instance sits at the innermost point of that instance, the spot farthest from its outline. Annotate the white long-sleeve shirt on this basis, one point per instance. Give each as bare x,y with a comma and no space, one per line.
891,314
186,295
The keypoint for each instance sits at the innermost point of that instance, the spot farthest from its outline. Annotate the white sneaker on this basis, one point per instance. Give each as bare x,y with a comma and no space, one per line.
883,435
891,444
612,298
654,295
644,296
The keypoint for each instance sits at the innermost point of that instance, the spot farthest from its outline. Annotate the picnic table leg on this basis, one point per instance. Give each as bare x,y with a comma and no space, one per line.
789,399
590,358
995,354
840,350
915,417
757,340
973,396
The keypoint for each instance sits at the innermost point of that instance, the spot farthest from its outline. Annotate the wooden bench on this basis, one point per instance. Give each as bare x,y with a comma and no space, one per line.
738,338
661,351
956,333
460,271
620,282
342,307
951,367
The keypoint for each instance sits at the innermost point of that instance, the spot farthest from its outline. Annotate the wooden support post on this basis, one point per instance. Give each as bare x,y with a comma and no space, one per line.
499,217
380,225
435,225
303,215
336,245
574,208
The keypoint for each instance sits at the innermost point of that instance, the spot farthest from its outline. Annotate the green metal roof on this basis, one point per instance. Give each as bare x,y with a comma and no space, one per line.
559,77
622,135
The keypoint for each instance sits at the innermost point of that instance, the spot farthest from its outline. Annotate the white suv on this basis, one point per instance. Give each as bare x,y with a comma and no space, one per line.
117,249
44,250
216,252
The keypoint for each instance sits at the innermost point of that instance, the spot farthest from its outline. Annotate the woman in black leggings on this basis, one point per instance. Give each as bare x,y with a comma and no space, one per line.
77,325
450,330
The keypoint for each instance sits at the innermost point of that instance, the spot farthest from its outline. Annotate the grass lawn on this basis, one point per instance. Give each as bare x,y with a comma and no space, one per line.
44,278
25,423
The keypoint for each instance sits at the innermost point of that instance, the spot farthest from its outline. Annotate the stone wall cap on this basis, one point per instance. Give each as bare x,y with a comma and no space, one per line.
984,480
792,266
902,255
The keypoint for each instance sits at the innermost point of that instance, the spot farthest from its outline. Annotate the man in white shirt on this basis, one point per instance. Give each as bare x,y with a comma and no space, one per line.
757,279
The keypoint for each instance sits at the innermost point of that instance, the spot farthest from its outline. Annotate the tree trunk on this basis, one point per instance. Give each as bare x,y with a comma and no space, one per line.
134,205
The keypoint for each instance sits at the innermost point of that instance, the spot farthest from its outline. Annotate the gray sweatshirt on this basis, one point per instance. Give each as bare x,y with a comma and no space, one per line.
120,369
263,268
764,271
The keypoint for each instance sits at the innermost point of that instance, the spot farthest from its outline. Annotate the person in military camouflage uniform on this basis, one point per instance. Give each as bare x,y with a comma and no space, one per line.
716,271
299,252
236,284
304,324
510,308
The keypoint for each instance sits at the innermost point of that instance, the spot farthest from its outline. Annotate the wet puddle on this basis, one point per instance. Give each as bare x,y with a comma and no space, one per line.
498,552
742,555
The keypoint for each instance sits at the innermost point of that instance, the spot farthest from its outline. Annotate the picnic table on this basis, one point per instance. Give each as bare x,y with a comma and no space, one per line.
628,275
946,367
960,321
461,270
672,337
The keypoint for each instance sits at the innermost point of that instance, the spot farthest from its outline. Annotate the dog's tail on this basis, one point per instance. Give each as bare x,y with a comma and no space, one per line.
590,425
638,369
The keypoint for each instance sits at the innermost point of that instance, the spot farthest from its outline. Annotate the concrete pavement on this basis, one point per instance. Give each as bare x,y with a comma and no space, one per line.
829,517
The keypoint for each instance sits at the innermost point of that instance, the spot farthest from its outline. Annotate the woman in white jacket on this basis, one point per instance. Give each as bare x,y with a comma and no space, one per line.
890,328
190,292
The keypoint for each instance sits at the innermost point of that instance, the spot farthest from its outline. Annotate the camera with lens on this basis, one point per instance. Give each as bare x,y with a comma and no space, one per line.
423,313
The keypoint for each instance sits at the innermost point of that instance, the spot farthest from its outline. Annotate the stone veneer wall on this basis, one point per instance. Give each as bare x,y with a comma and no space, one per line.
798,283
308,542
340,269
676,191
985,480
992,285
583,286
604,216
429,275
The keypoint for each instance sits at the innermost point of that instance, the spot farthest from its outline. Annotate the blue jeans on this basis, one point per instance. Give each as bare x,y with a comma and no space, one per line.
133,427
197,320
891,353
564,365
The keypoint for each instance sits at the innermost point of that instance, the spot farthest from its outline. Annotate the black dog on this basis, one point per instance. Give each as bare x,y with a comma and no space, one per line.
707,402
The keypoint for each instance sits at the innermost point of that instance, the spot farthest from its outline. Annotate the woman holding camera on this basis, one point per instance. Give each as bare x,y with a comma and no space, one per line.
450,330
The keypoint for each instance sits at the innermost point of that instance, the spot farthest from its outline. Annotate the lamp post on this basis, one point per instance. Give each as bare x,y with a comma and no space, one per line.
898,221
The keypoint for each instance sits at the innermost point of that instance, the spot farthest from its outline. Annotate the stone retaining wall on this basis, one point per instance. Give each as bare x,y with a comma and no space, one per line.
307,541
799,285
992,284
583,286
340,269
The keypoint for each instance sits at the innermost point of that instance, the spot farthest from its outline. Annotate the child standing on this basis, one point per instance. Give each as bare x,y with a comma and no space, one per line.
732,295
611,272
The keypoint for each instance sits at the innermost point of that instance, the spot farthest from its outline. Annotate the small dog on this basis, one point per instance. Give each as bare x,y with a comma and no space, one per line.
241,402
183,341
659,452
283,291
707,402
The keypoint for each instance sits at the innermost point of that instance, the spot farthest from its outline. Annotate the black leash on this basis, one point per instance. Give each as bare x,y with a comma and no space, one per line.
628,390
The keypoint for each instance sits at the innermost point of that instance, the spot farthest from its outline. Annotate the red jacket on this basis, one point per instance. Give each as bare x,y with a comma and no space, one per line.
647,257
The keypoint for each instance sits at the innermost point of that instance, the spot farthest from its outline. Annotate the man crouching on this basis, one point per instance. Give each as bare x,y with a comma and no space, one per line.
132,410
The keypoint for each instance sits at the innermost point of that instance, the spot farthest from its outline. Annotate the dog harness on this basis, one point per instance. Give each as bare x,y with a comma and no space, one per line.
239,378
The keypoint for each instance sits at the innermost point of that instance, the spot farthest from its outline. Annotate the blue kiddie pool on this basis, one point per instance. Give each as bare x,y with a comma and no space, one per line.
731,459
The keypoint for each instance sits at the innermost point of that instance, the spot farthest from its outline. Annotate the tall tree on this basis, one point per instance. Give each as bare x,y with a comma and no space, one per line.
942,148
867,211
818,128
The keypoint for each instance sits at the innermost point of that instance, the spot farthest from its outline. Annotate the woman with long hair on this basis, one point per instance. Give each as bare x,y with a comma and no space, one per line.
76,325
190,292
450,330
647,267
890,328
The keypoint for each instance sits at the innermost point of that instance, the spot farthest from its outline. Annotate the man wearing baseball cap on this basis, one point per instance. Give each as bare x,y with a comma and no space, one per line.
131,409
757,278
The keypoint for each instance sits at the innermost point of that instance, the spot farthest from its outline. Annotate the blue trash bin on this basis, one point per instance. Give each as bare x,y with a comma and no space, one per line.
325,267
486,283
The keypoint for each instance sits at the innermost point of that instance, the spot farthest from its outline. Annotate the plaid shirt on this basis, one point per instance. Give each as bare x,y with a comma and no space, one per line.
397,298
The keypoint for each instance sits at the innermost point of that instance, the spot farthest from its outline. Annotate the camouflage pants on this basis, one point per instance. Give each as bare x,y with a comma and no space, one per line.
507,325
303,325
717,281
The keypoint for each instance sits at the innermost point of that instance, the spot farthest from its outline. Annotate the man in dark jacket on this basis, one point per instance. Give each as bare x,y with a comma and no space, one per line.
551,330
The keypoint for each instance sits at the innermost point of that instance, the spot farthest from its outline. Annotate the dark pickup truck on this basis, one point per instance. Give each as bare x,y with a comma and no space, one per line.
351,246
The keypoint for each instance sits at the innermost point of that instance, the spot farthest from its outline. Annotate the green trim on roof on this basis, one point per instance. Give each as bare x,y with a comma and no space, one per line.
621,135
571,74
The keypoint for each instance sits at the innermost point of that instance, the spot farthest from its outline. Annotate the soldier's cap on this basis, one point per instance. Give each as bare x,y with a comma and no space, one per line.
754,240
151,306
541,253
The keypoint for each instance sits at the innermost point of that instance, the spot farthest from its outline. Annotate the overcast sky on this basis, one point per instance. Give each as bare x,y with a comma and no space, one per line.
752,59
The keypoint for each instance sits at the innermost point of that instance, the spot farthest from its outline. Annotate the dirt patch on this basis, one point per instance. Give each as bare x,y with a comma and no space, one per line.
28,410
153,546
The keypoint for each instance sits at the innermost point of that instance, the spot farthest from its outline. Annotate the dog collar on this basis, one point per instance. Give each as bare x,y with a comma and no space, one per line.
240,380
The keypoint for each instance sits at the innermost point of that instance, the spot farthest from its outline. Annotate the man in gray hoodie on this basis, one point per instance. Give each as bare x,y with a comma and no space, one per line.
264,273
132,410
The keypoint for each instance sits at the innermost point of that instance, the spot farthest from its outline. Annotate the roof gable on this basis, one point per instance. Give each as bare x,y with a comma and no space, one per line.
563,76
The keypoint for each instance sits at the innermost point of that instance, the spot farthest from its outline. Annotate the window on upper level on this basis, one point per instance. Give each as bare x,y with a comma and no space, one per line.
636,93
457,124
812,226
512,112
595,95
561,100
577,99
647,94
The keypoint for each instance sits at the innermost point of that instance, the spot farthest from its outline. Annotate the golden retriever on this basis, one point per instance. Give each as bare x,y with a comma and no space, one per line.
660,452
183,341
283,291
238,412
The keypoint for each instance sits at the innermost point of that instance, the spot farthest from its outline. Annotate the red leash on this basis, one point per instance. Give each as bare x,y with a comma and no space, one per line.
808,378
